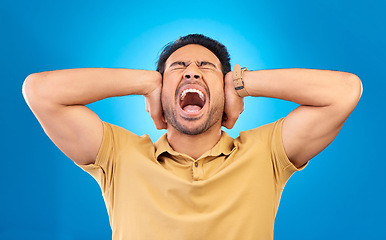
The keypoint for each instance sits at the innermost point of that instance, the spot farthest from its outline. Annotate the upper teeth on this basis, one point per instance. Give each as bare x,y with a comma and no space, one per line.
183,94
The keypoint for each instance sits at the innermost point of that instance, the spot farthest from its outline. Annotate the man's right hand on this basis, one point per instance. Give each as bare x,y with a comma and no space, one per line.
153,104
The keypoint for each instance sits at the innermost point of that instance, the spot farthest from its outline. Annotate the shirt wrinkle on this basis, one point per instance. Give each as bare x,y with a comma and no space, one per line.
152,187
223,146
199,169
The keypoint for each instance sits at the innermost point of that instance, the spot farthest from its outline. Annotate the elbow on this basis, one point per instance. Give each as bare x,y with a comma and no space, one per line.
28,87
31,88
353,90
356,87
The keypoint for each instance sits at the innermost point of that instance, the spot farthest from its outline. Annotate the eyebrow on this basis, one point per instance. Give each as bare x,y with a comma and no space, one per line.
203,63
199,63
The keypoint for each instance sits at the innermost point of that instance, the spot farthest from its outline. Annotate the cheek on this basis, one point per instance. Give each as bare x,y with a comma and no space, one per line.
217,96
168,95
219,87
165,95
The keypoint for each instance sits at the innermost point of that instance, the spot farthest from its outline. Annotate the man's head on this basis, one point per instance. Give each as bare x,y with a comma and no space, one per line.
193,84
214,46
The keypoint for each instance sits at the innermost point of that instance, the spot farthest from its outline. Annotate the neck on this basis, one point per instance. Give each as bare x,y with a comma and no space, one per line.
193,145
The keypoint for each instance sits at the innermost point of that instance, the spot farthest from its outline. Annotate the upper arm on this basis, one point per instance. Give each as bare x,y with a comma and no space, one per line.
75,129
308,130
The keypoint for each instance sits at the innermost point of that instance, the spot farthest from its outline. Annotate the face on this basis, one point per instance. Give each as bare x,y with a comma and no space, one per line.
193,90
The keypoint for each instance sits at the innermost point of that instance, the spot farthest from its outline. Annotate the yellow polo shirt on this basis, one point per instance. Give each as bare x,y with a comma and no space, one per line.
230,192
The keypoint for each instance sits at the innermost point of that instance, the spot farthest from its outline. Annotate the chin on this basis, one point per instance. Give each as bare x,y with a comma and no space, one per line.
196,128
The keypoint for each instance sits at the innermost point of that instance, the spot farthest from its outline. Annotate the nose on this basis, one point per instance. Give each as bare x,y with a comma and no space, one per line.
192,72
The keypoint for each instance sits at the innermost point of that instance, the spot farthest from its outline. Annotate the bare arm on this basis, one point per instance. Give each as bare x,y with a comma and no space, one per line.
326,100
58,100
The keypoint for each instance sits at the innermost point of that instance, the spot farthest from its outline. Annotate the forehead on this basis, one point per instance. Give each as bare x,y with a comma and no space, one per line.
193,52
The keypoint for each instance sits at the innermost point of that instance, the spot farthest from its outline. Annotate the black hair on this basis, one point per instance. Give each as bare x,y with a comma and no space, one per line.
214,46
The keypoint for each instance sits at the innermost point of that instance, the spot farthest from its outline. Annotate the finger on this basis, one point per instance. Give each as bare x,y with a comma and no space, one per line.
224,119
159,124
156,113
159,120
232,118
228,77
162,123
147,105
230,123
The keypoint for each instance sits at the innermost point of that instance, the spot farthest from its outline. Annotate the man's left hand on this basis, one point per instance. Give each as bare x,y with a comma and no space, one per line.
234,104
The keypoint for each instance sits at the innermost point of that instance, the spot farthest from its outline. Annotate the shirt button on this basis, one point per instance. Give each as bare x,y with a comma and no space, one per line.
196,164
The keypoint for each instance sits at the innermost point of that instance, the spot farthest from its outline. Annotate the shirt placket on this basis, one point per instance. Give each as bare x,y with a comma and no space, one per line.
197,170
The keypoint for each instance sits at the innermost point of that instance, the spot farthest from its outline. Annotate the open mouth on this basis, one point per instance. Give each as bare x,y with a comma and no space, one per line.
192,100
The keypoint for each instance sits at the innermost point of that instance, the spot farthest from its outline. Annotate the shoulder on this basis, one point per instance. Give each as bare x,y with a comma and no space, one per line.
262,134
119,136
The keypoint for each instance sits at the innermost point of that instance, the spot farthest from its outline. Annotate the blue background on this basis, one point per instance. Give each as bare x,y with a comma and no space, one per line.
340,195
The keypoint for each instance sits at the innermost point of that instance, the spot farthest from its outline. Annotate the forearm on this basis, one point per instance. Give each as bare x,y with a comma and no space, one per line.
304,86
87,85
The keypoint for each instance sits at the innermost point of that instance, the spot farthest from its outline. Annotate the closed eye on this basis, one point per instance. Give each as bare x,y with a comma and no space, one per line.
202,65
206,65
178,65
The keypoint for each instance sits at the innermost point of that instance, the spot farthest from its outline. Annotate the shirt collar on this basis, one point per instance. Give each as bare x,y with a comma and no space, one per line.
224,146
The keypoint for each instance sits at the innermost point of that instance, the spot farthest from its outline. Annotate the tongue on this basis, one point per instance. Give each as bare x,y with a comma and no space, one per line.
192,108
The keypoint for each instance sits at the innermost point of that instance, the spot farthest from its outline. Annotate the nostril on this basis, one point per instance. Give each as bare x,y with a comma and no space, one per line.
187,76
196,76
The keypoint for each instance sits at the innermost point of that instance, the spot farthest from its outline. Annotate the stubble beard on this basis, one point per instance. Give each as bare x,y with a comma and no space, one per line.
170,114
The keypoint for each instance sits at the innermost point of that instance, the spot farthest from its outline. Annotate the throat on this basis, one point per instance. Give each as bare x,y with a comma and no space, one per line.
193,145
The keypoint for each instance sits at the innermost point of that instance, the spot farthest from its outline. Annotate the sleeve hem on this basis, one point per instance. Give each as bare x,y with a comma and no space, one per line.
283,158
102,149
98,159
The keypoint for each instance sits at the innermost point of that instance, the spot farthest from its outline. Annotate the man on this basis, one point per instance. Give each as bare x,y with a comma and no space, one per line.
195,182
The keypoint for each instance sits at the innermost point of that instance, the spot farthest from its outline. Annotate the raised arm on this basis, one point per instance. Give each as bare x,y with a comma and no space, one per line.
58,100
326,100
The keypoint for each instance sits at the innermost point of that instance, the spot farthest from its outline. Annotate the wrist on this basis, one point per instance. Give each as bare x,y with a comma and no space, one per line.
151,80
238,80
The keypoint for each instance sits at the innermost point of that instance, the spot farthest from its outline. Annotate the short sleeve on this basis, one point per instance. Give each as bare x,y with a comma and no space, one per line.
284,168
103,168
